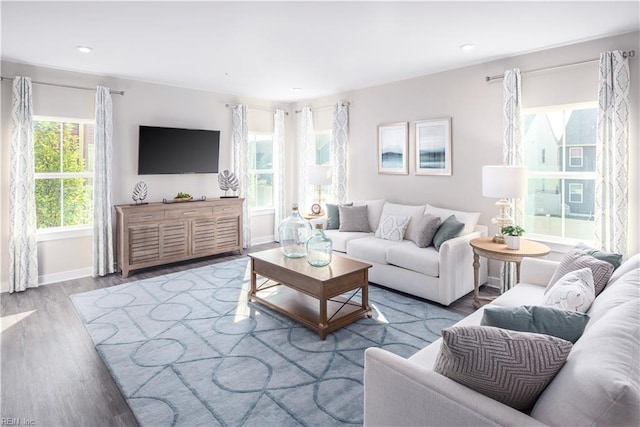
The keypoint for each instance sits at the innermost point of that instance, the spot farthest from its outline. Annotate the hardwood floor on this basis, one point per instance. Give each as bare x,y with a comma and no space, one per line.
51,373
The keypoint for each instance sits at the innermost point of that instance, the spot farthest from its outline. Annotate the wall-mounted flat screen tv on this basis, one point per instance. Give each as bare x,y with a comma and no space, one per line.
164,150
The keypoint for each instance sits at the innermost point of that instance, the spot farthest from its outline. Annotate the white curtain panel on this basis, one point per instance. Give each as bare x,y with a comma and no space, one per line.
278,170
612,153
307,158
103,262
512,147
240,139
23,249
339,141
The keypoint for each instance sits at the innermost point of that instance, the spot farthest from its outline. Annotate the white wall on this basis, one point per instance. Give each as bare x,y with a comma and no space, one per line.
142,104
475,107
463,94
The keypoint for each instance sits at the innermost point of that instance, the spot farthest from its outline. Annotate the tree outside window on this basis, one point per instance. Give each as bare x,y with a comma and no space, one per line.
63,152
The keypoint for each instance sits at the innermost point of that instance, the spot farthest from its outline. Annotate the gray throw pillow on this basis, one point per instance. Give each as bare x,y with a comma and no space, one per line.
611,257
449,229
576,259
508,366
565,324
354,218
422,234
333,216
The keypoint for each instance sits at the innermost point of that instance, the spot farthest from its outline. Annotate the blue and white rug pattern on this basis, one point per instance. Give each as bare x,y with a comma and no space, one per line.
187,349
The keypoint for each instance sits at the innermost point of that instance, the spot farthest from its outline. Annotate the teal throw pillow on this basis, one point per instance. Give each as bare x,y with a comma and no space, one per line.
565,324
333,216
449,229
610,257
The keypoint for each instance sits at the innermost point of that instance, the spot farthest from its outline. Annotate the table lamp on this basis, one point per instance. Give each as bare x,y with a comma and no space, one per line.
503,182
319,176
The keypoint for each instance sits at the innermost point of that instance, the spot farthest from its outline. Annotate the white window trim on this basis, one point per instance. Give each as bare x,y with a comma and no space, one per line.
572,157
261,210
579,186
61,233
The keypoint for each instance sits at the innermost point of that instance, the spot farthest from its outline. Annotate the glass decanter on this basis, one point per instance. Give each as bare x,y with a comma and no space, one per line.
319,248
294,232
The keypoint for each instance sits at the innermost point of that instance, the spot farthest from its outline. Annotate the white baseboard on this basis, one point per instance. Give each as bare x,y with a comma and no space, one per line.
494,282
262,240
47,279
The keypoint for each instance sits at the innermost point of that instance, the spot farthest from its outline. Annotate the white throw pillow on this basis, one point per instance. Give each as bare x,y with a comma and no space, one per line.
573,291
392,227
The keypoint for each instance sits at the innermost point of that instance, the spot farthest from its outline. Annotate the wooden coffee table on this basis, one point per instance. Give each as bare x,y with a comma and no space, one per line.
314,296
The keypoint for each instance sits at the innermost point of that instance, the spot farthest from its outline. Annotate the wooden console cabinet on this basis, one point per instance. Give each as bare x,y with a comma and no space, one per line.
160,233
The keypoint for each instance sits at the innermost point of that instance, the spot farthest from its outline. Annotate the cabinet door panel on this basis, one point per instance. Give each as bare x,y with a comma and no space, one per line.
144,243
228,229
203,236
174,239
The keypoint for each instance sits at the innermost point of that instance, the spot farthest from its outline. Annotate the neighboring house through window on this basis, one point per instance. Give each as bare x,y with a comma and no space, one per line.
323,158
260,194
560,153
63,154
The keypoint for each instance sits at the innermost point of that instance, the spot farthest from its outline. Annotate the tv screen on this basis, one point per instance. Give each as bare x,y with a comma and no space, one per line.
175,151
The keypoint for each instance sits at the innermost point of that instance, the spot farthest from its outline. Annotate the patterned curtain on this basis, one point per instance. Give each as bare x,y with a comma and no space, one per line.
612,153
339,141
278,168
307,157
512,147
512,152
103,262
240,138
23,249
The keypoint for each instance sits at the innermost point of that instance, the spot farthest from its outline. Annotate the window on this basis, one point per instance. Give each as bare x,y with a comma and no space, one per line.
575,157
575,192
561,191
63,153
260,194
323,158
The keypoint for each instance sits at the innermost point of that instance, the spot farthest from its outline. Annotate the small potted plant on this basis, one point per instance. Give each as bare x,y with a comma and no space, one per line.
512,235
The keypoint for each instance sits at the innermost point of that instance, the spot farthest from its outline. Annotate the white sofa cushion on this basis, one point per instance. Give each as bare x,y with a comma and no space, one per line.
600,382
521,294
374,210
339,239
411,211
370,248
625,288
470,219
408,255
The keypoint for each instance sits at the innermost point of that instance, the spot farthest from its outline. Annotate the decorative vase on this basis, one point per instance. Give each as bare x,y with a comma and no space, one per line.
294,232
319,248
513,242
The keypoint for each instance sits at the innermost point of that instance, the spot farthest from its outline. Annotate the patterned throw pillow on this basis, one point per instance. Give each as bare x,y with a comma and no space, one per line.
574,291
611,257
577,259
354,218
392,227
508,366
566,324
422,235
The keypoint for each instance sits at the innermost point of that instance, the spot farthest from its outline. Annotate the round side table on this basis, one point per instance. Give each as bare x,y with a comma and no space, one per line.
486,247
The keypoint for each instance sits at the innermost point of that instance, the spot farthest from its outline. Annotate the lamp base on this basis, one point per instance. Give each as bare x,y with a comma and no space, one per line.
498,238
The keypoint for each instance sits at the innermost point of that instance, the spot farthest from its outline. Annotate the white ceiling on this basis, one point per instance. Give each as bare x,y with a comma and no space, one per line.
265,49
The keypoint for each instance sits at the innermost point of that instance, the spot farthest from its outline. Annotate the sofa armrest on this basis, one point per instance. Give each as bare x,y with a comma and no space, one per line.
536,271
456,266
399,392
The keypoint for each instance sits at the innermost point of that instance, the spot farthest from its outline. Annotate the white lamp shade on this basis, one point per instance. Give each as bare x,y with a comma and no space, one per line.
319,175
504,182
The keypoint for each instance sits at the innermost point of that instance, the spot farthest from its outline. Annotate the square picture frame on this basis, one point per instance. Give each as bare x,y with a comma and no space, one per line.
433,146
393,148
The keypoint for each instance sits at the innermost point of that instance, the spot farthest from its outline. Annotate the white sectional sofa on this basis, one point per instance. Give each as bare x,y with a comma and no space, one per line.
599,385
442,276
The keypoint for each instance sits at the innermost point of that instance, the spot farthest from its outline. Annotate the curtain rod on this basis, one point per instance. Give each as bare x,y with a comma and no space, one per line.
629,54
344,104
286,113
115,92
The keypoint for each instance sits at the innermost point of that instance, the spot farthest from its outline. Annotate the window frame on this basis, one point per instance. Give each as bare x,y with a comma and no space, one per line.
64,231
261,210
561,175
580,192
572,157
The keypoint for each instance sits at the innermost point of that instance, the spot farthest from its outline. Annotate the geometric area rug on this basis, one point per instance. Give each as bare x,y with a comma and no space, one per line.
187,349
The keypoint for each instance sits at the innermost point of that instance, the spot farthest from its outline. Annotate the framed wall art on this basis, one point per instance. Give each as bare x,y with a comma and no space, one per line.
393,143
433,147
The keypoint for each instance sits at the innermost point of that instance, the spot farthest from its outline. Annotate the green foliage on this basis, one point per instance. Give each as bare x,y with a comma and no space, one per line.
60,201
512,230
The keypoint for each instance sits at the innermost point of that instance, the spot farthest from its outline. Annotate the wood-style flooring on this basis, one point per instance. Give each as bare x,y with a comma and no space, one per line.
51,374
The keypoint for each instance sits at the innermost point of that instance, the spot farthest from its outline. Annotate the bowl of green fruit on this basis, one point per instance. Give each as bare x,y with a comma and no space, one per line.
183,197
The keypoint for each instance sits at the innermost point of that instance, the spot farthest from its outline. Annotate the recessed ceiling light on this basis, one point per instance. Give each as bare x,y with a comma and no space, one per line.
84,49
467,46
297,89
